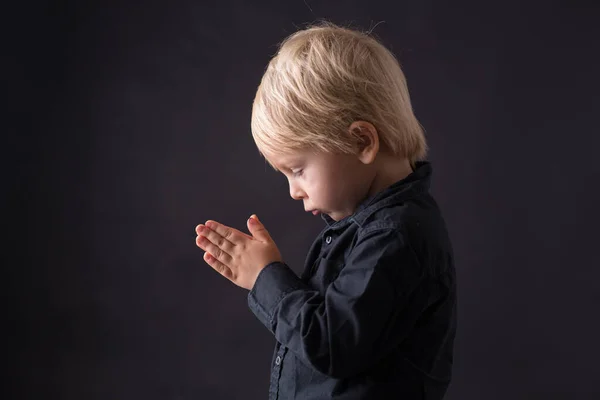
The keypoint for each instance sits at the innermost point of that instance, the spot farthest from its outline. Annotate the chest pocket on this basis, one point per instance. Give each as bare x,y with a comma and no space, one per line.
324,273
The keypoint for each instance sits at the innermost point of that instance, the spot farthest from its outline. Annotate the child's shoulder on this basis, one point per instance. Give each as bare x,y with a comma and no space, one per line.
417,225
417,222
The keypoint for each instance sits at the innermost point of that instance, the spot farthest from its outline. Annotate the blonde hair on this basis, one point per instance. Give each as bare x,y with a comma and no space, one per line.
321,80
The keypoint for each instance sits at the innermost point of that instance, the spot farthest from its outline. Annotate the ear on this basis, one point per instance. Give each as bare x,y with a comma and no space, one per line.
367,140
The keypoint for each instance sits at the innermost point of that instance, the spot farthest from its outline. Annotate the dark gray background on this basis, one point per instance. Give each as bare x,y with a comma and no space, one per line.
128,123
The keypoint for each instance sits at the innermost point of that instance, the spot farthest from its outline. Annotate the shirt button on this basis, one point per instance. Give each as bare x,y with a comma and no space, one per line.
278,360
328,239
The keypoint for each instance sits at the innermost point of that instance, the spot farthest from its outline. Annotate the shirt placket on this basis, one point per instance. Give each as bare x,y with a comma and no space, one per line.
276,373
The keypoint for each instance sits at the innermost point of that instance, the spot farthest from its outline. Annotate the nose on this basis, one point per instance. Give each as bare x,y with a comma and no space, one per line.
295,192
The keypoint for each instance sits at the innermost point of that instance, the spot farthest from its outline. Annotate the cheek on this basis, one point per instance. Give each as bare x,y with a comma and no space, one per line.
323,188
338,187
312,185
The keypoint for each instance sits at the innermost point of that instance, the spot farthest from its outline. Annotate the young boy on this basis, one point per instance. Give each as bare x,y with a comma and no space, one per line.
373,316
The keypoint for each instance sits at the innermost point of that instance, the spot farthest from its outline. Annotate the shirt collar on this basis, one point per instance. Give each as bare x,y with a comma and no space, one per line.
415,183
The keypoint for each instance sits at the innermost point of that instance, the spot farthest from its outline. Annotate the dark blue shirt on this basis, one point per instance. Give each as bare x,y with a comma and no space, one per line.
373,315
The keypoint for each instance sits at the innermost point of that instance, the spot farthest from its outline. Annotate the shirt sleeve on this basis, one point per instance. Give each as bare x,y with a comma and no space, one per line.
365,313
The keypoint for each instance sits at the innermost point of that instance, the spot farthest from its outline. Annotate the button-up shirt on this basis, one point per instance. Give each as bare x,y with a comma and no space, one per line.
373,315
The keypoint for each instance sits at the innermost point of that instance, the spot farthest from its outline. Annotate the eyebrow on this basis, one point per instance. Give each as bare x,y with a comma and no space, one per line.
283,167
287,164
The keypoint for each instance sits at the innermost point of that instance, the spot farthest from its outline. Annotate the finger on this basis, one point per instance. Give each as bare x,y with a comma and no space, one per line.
206,244
218,266
216,238
228,233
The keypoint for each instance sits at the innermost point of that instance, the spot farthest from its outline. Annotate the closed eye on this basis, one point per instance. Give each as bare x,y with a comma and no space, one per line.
297,173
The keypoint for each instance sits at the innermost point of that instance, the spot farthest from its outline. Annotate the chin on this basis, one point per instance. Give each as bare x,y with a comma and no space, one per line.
333,217
338,217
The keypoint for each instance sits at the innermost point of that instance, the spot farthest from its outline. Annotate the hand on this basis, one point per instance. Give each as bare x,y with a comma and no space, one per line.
235,255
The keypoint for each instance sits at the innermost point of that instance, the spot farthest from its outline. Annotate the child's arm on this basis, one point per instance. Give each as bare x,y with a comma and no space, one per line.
365,313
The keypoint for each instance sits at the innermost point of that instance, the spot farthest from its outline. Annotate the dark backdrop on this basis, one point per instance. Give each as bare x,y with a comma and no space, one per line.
128,123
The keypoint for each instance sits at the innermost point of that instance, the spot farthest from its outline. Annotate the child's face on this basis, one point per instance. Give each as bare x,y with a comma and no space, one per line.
333,184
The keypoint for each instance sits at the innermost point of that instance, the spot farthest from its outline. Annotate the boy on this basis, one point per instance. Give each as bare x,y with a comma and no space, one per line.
373,316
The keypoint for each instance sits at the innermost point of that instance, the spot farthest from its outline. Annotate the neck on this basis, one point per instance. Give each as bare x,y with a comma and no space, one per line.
390,171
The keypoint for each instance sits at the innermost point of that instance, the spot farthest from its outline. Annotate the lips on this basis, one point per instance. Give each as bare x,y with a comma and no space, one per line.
316,212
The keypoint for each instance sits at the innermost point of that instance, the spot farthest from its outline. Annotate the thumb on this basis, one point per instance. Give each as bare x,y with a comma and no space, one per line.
257,229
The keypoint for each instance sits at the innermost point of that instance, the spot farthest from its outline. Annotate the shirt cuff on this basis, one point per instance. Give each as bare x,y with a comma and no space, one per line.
273,283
